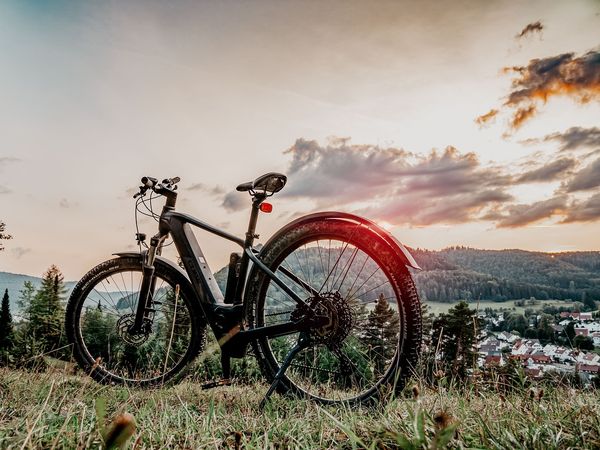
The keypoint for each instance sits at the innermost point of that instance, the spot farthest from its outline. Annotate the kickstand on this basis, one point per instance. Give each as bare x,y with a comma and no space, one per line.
302,344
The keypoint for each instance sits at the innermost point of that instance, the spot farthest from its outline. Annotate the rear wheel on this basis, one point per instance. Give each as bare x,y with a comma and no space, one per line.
102,308
373,333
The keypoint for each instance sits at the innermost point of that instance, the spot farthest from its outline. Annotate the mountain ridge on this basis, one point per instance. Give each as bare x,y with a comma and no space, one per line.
458,272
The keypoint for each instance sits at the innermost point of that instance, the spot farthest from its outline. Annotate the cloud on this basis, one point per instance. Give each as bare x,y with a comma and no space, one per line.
552,171
7,160
586,179
215,190
231,201
399,186
577,77
340,171
442,187
575,138
235,201
64,203
521,115
521,215
584,211
425,210
530,28
487,117
568,75
19,252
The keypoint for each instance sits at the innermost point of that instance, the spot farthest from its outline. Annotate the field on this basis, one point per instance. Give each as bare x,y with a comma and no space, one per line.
439,307
55,410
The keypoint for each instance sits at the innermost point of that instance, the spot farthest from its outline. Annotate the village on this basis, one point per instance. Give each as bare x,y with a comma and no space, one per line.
559,355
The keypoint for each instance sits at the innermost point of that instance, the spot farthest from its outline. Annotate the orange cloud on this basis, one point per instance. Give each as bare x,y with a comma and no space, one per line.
541,79
485,118
521,115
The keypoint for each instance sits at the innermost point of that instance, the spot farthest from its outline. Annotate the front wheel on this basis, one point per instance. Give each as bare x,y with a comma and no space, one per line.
346,272
102,309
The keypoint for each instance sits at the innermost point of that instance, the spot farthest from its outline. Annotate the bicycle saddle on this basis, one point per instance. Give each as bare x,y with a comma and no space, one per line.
269,183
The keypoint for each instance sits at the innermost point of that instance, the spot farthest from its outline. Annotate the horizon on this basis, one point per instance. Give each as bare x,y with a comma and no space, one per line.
475,125
451,247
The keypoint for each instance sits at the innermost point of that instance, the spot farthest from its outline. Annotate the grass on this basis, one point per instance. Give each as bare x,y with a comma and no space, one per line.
441,307
56,410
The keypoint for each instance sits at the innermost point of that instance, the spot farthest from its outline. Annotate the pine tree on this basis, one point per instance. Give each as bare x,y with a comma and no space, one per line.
458,336
381,332
588,302
27,294
46,310
6,326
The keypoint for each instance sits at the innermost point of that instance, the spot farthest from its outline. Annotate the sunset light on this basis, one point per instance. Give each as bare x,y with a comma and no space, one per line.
300,224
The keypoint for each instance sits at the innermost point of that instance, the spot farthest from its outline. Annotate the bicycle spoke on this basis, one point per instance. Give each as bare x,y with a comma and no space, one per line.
357,277
161,347
350,356
348,265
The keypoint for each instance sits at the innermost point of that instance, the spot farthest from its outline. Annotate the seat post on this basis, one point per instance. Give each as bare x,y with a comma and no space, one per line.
257,199
250,234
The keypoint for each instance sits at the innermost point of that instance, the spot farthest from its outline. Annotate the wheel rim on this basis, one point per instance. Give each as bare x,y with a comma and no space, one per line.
351,360
106,312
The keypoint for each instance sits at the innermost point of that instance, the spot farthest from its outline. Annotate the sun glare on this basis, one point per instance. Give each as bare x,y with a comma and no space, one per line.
386,225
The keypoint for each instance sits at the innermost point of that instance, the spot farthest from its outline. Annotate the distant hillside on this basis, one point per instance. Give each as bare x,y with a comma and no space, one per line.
459,272
465,273
14,283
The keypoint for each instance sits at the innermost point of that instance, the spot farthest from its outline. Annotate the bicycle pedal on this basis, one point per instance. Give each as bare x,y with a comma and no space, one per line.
217,383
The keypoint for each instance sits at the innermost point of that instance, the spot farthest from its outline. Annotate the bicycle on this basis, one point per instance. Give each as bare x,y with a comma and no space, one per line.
327,304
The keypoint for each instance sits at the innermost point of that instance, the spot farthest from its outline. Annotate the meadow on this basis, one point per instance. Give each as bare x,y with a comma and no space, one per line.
508,305
59,410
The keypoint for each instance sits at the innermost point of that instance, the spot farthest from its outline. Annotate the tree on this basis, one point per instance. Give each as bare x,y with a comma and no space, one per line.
458,333
583,342
45,311
588,302
516,322
545,332
381,332
530,333
3,235
26,297
570,331
6,326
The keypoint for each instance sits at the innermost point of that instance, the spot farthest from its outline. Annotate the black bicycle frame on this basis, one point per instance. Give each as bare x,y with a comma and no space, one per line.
224,319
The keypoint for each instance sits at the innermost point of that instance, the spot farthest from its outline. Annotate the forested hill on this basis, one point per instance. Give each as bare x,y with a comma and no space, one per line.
466,273
14,283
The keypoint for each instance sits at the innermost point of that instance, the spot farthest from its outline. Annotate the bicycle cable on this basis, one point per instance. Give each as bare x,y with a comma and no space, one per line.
142,201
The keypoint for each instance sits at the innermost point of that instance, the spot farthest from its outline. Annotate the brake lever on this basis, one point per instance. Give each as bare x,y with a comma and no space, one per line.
142,192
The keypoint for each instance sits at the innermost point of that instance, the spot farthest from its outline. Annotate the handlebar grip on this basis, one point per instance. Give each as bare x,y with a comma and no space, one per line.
171,181
149,182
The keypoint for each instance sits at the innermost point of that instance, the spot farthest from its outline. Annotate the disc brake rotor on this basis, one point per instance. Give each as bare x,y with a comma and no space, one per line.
125,323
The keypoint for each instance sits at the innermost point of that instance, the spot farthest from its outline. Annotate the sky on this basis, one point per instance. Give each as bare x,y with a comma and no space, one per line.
450,123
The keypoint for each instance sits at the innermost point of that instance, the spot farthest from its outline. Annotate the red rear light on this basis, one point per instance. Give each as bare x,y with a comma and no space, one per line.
266,207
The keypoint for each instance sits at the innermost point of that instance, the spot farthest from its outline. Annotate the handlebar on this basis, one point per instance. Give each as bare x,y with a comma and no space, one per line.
171,181
167,185
149,182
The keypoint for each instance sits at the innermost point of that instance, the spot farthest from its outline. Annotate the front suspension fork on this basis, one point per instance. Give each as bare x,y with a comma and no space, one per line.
148,285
